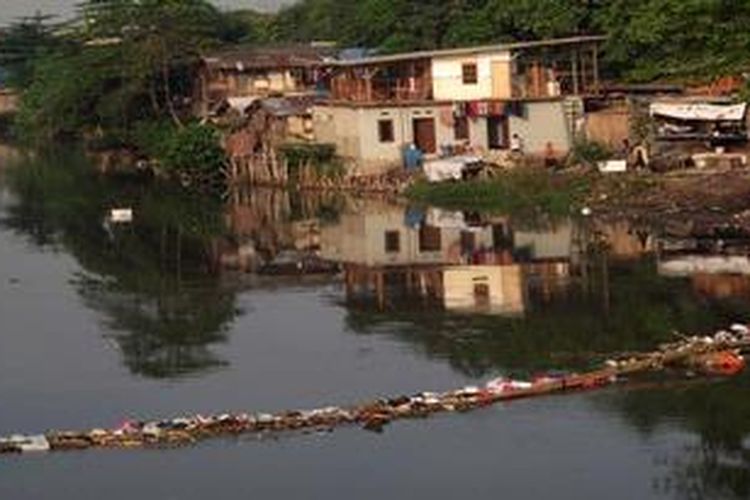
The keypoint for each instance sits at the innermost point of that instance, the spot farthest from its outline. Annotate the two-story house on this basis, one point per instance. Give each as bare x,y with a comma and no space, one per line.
472,98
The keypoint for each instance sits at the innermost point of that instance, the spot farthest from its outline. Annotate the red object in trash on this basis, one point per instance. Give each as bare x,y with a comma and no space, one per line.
725,363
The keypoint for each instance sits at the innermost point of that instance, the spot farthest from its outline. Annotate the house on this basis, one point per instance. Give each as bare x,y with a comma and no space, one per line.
256,127
453,100
265,71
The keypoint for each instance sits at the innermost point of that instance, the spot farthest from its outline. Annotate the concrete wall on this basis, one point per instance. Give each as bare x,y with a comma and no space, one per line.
354,131
609,126
339,126
544,122
447,77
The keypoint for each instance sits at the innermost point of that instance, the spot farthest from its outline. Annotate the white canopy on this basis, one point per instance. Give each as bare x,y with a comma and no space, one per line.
699,112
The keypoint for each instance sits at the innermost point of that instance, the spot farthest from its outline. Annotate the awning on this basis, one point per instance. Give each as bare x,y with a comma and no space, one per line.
700,112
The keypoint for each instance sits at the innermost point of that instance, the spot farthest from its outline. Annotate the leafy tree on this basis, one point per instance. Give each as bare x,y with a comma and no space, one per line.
124,61
21,44
650,39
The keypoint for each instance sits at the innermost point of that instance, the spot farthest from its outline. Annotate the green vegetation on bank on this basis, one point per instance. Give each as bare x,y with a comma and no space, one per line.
648,39
122,75
519,192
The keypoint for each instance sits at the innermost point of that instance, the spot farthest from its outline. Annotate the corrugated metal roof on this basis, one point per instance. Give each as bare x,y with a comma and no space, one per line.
428,54
268,57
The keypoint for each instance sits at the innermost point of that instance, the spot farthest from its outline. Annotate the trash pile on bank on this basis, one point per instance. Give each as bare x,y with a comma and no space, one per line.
717,355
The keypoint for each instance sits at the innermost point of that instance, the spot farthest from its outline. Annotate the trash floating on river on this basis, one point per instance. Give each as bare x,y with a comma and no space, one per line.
719,355
121,215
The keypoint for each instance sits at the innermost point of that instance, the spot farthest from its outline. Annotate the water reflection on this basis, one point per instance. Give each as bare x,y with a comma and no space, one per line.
528,295
718,465
151,280
463,262
482,293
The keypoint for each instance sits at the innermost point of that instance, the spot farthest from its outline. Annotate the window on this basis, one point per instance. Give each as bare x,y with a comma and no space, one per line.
385,131
470,74
429,239
461,128
392,242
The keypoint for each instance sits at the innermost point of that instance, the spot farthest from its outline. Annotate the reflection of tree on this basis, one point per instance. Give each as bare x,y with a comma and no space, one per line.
719,414
564,332
152,280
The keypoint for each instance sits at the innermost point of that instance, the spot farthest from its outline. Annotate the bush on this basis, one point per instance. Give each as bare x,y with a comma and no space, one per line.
518,192
194,149
589,153
153,138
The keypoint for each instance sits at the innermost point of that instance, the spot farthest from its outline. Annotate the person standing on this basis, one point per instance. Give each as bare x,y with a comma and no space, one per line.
516,144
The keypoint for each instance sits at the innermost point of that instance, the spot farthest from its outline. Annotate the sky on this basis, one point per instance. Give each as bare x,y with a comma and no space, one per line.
10,10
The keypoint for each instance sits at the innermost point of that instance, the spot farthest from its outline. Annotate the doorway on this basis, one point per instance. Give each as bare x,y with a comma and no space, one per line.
424,135
498,132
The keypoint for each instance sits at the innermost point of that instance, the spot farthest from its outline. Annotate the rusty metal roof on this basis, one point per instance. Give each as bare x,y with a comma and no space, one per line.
240,58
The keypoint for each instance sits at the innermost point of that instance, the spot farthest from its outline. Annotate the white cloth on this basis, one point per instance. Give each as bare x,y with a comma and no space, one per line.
447,168
699,112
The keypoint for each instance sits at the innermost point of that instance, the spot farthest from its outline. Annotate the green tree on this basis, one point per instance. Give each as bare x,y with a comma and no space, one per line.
21,44
124,61
675,39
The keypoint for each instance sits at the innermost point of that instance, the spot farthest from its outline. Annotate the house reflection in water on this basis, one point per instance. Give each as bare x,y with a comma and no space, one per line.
493,289
446,259
715,276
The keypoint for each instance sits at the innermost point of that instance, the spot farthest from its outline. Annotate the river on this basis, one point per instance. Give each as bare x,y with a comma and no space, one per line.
273,301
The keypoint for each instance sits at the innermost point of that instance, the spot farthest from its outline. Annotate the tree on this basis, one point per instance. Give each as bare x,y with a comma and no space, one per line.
21,44
122,62
161,40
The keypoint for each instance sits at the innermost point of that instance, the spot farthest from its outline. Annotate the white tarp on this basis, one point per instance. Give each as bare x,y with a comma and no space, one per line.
446,169
699,112
241,103
445,219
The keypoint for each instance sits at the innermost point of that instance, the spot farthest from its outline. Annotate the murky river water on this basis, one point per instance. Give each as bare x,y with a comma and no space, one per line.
195,307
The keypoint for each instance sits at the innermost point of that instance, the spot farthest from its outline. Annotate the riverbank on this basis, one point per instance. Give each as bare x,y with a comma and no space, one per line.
695,201
513,192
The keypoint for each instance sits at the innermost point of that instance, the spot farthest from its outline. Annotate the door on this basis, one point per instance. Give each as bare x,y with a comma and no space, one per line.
501,83
424,135
498,134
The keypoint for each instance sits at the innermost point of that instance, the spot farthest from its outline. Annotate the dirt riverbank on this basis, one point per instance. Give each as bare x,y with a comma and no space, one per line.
687,203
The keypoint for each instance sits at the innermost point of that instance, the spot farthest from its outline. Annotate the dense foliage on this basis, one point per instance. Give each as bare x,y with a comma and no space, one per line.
123,62
195,149
649,39
126,63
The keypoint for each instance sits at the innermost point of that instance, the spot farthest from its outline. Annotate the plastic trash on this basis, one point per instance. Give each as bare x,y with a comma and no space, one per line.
741,330
26,444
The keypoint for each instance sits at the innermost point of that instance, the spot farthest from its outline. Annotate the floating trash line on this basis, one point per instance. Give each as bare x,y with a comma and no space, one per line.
719,355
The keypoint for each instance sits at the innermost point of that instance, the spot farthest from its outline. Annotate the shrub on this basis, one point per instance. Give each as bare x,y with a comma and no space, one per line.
153,138
194,149
589,153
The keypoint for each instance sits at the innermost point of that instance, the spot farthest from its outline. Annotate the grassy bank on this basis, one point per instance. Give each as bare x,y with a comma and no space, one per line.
532,191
